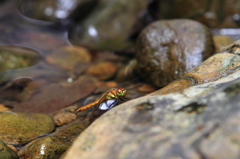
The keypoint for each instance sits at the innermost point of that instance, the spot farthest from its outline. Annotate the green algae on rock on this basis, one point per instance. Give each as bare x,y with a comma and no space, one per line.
20,128
49,147
6,152
52,146
15,57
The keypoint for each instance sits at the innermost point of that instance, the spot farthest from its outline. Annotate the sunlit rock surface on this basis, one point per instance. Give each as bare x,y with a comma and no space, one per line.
172,48
200,121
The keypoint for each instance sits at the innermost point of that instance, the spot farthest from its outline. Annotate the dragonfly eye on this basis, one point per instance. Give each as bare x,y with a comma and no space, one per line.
121,92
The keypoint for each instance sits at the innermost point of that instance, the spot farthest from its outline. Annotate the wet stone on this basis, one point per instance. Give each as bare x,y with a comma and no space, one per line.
52,146
103,31
64,118
49,147
69,57
16,57
102,70
51,10
6,152
54,96
19,128
171,48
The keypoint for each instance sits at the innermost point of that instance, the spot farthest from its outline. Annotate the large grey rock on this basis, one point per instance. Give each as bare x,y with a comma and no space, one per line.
199,122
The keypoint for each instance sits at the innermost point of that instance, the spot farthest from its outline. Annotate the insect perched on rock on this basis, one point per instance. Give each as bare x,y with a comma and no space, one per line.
108,100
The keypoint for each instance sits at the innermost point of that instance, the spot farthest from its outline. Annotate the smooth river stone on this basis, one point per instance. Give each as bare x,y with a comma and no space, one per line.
171,48
19,128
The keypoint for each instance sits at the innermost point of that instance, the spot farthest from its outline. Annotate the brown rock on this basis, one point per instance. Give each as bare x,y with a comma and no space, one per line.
214,68
68,57
55,96
214,13
171,48
221,42
64,118
102,70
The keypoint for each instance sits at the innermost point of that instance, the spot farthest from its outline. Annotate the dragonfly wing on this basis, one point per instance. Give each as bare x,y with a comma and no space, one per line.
107,104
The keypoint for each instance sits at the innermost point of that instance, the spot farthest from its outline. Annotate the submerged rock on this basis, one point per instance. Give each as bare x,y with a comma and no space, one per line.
16,57
52,146
68,57
102,70
6,152
171,48
109,25
19,128
52,10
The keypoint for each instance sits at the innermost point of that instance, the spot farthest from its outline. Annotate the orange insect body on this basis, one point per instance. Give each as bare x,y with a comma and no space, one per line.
109,95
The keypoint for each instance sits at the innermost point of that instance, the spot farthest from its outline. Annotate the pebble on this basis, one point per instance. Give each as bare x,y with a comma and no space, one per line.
64,118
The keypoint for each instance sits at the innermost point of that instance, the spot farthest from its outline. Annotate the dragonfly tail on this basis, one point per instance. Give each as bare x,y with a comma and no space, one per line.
87,106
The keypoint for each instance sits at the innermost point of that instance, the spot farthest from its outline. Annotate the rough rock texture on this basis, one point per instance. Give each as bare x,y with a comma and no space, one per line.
199,122
19,128
172,48
196,122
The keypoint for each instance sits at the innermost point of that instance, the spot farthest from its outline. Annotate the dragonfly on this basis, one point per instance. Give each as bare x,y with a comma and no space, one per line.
108,100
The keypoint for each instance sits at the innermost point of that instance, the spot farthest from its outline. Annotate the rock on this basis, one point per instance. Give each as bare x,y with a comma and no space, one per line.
52,146
55,10
16,57
64,118
215,67
214,14
109,25
102,70
54,96
171,48
68,57
49,147
19,128
6,152
200,121
222,41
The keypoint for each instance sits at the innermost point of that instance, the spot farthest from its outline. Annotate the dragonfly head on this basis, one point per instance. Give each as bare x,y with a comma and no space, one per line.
121,92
